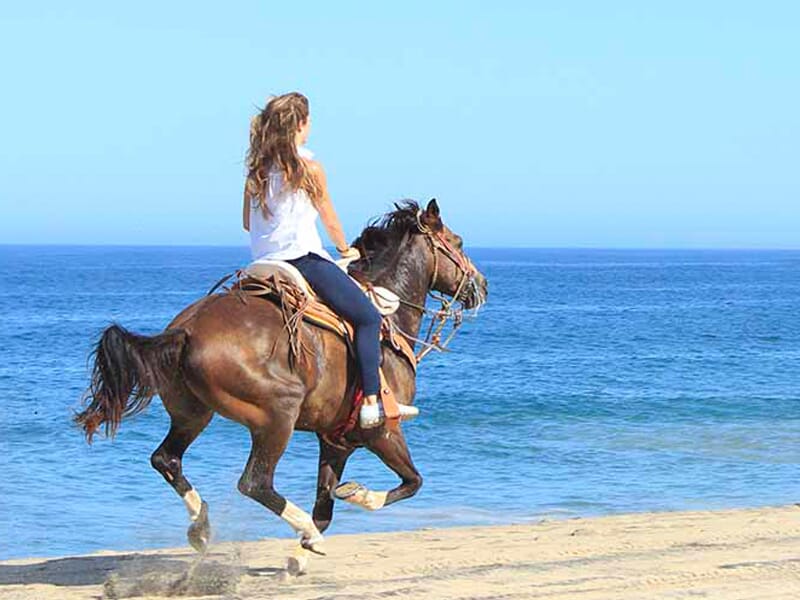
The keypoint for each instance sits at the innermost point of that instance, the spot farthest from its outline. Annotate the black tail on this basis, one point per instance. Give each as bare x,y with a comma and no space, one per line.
128,371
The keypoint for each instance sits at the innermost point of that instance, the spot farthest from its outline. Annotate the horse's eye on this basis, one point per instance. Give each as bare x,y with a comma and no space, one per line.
459,242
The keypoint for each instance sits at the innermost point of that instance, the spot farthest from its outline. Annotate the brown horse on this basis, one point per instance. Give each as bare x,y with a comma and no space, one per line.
232,357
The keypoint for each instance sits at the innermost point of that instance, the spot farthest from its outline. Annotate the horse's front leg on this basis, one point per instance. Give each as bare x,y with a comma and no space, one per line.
331,465
391,448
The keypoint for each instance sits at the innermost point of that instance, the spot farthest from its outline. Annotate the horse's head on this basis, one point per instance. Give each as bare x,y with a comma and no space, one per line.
453,274
412,242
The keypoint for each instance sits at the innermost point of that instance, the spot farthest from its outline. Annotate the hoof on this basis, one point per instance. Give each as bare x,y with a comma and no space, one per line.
313,545
297,563
355,493
199,532
348,490
296,566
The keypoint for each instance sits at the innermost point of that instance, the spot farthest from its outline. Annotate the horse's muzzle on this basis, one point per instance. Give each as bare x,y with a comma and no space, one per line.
475,293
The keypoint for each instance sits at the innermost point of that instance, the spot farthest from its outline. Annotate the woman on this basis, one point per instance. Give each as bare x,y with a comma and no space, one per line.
284,192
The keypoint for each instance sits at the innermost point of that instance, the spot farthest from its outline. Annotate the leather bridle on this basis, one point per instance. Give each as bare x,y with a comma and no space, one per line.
451,308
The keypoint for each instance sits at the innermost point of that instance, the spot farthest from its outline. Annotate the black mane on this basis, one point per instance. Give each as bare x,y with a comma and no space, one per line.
381,240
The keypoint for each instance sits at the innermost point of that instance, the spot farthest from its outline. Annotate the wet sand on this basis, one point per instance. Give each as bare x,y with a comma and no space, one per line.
733,554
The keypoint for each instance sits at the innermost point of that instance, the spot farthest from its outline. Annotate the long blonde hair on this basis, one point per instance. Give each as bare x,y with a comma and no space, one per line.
272,144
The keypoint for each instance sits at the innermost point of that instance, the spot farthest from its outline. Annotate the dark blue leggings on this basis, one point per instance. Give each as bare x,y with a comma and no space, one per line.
342,294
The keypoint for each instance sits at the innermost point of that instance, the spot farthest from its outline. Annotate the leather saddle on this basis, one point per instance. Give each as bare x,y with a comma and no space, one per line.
385,300
260,278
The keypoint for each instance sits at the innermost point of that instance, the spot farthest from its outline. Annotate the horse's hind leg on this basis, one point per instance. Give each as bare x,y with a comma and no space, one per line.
392,449
188,419
257,481
331,465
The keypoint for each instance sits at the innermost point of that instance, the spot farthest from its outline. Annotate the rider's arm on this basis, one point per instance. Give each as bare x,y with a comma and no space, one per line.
326,211
246,211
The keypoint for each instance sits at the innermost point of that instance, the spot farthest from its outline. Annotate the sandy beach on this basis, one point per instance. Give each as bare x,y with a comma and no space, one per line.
733,554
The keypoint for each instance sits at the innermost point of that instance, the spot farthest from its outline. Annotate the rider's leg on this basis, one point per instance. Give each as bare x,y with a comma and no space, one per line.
342,294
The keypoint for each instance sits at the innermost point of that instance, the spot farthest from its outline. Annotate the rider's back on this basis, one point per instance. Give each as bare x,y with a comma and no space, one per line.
288,229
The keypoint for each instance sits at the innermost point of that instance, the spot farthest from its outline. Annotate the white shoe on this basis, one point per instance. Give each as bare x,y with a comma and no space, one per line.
369,416
408,412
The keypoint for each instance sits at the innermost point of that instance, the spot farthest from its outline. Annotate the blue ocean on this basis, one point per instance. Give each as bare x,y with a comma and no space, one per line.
592,382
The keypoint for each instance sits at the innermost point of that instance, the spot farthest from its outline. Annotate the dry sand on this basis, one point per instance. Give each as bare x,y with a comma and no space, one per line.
753,553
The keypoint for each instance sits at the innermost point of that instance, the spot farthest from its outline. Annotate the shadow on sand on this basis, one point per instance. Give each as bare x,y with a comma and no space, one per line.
126,575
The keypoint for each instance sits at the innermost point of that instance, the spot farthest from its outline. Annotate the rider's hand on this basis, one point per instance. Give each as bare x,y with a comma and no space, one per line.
350,253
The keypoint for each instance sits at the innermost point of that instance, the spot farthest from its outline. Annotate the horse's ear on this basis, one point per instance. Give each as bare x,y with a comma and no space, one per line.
433,209
431,216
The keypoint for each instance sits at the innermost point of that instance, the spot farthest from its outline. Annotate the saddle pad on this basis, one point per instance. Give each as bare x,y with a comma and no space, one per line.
385,300
264,269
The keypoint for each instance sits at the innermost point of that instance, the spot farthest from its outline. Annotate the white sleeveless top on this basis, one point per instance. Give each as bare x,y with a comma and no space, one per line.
290,229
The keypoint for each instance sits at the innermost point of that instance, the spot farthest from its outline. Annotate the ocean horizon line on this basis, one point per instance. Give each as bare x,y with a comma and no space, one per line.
468,248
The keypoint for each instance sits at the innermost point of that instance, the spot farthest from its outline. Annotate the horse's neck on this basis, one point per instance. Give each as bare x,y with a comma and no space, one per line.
409,280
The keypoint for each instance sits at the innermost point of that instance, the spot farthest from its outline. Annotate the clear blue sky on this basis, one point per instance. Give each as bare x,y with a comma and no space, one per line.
591,124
